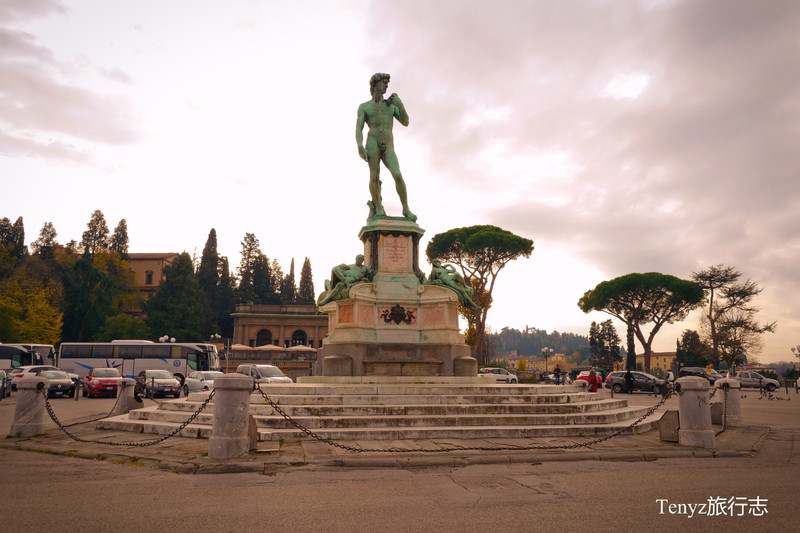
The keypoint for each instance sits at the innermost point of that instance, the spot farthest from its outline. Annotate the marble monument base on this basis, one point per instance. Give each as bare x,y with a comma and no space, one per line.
394,325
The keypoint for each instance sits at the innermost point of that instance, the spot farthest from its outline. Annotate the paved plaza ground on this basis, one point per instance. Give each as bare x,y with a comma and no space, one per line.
626,483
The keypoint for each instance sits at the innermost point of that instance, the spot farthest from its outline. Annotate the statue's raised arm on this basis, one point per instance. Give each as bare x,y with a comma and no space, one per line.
379,115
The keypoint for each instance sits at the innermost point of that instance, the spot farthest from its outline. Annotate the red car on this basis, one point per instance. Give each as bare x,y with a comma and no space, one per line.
101,382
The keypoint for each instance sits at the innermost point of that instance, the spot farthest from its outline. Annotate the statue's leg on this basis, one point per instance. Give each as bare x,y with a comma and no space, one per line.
391,162
373,156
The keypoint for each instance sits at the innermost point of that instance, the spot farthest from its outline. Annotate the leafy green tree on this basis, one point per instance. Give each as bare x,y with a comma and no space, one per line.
480,252
265,291
604,344
45,245
250,256
305,292
88,296
227,299
30,304
122,326
288,287
690,350
729,302
95,289
119,239
176,309
639,299
96,235
208,277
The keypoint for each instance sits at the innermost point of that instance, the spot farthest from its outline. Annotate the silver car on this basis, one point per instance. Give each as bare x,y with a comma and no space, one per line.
264,373
750,379
200,381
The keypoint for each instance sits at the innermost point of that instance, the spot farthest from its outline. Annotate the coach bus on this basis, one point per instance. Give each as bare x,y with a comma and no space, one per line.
131,357
15,355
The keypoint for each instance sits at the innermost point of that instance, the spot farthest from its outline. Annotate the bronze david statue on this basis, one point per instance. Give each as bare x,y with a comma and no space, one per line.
379,114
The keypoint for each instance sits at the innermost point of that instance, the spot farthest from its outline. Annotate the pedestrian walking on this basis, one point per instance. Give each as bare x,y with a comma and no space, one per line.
629,382
557,375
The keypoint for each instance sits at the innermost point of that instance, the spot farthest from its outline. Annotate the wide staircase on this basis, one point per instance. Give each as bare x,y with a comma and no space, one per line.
404,411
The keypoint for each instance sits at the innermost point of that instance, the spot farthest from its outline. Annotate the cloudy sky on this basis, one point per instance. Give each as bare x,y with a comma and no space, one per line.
621,136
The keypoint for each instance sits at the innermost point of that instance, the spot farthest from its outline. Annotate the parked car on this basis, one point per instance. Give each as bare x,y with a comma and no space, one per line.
200,381
154,383
701,372
264,373
26,371
5,385
641,382
59,383
500,375
750,379
101,382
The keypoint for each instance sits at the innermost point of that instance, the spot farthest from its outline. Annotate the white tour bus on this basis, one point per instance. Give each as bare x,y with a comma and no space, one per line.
131,357
14,355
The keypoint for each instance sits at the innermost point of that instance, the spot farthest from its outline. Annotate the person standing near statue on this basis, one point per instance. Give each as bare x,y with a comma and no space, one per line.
379,114
557,375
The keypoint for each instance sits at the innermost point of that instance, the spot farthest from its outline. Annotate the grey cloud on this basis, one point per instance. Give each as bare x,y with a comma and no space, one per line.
701,169
41,112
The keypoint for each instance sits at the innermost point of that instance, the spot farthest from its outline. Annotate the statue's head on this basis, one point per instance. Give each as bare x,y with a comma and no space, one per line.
436,263
378,77
359,259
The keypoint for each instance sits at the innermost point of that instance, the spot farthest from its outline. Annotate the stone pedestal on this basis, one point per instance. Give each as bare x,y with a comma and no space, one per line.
29,413
694,413
732,404
395,325
125,397
231,432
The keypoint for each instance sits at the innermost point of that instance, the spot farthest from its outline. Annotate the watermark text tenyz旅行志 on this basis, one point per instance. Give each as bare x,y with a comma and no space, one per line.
719,506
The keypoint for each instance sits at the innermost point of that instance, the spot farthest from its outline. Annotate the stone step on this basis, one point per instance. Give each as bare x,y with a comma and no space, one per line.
347,435
416,389
275,420
409,399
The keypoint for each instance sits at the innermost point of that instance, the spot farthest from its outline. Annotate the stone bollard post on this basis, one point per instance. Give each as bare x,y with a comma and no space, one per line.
694,412
231,434
126,400
29,413
733,404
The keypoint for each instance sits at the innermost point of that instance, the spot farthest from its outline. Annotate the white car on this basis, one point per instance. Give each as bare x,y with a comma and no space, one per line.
500,375
30,370
198,381
264,373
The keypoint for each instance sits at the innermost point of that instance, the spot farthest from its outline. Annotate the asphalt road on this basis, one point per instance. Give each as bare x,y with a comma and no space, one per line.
43,492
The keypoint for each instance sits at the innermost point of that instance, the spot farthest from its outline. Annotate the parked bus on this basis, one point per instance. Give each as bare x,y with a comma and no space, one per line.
131,357
14,355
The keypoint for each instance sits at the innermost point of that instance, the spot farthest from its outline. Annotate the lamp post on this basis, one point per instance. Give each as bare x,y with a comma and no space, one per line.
215,339
166,338
796,351
545,352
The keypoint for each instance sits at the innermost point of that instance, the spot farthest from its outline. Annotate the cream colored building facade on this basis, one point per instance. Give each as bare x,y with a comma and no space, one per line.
283,325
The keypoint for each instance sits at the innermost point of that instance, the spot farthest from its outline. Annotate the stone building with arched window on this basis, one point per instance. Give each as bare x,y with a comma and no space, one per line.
284,325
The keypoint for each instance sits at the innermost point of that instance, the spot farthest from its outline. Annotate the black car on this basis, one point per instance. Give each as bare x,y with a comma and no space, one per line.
700,372
59,383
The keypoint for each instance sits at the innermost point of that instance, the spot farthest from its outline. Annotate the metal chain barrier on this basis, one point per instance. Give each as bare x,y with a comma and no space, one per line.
94,419
124,443
667,394
725,389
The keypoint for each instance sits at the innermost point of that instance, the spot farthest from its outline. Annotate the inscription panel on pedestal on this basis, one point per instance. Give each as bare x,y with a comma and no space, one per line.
396,252
433,316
